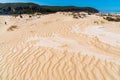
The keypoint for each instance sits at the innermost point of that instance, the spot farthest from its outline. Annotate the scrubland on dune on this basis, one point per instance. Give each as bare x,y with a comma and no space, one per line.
59,47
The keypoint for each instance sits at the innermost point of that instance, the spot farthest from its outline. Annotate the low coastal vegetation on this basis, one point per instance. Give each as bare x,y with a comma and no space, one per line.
31,8
99,22
111,17
11,28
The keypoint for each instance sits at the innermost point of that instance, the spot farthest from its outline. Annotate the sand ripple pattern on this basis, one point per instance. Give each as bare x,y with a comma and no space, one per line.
53,48
28,62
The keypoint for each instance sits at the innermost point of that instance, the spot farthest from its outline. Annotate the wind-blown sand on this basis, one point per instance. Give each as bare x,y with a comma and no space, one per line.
59,47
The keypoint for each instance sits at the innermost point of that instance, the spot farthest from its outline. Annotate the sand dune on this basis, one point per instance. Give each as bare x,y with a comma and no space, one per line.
59,47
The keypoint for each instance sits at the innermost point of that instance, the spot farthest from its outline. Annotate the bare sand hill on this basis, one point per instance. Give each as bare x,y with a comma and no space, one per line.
59,47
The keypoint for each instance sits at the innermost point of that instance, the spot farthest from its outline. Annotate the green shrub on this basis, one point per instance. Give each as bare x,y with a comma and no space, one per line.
116,19
109,18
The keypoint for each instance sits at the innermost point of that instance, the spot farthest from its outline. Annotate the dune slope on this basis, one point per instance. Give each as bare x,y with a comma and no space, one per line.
59,47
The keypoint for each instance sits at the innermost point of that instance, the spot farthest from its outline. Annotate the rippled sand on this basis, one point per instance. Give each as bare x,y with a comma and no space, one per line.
59,47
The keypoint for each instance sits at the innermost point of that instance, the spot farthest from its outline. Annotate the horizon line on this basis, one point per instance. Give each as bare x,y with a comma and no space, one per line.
101,9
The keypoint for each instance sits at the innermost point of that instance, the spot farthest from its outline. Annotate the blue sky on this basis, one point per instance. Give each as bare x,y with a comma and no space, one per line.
99,4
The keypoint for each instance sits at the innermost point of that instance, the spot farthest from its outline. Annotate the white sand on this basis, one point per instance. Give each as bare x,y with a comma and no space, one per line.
99,31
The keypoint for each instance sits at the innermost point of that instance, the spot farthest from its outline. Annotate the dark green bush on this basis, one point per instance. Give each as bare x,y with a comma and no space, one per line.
31,8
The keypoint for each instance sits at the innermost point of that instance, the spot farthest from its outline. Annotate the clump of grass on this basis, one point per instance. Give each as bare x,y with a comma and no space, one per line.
5,22
109,18
99,22
102,22
21,16
116,19
96,22
89,13
30,16
75,16
11,28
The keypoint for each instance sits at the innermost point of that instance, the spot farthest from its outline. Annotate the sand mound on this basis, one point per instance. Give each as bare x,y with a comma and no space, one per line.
58,47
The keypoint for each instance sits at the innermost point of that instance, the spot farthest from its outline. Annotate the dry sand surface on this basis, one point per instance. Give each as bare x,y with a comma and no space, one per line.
59,47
